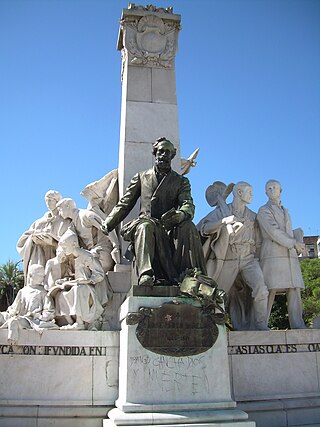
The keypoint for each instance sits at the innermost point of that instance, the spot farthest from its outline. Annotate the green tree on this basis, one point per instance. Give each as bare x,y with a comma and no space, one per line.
11,280
310,268
279,318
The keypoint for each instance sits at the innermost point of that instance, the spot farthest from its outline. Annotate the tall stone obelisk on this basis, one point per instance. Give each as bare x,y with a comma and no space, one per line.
148,39
162,383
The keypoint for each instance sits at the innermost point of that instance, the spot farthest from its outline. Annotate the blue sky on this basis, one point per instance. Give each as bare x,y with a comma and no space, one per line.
248,89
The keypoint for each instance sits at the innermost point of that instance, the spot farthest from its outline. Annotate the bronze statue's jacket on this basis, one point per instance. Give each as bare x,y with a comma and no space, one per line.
155,198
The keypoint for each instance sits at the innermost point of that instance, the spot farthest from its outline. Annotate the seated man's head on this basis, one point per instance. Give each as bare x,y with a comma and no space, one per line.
66,207
52,197
164,152
243,191
273,189
35,275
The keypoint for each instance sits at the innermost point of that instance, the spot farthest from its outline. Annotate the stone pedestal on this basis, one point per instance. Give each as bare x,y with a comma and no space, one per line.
148,43
165,390
276,376
58,378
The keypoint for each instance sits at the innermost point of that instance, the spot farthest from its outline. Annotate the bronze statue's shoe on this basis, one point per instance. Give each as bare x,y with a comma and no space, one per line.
146,280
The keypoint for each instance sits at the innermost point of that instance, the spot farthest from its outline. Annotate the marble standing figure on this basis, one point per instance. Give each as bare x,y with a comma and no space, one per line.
164,239
232,250
38,244
279,254
32,308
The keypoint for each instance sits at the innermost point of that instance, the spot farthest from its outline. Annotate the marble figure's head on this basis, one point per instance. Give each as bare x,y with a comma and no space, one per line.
273,189
52,197
60,254
66,207
35,275
68,242
243,190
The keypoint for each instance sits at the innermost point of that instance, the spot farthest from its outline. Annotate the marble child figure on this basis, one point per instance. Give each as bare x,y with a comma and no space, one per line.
32,308
79,301
164,239
279,254
86,224
232,250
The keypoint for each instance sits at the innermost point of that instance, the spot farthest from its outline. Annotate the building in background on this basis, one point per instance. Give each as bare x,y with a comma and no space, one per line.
312,246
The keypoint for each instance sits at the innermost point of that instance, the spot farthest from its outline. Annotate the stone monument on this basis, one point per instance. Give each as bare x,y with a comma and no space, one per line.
148,40
173,351
172,364
172,378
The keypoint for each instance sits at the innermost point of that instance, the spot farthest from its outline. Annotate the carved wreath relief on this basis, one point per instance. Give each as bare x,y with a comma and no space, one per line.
150,41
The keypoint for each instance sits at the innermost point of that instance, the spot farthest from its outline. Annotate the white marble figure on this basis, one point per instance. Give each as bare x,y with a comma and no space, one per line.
79,300
102,196
59,267
279,254
38,244
32,308
86,224
190,162
232,247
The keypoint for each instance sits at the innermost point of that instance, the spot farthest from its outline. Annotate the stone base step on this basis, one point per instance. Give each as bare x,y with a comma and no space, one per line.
58,416
215,418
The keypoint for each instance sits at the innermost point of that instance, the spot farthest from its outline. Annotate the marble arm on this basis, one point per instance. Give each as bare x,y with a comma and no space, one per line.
270,227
